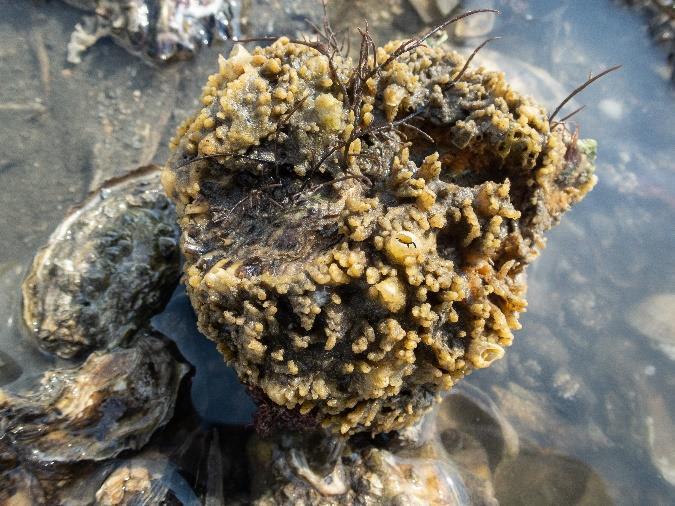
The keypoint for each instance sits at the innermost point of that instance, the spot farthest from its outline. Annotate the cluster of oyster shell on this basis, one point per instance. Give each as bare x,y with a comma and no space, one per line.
88,298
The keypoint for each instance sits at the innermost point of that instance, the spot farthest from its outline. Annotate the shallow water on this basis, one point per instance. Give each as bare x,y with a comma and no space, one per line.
588,382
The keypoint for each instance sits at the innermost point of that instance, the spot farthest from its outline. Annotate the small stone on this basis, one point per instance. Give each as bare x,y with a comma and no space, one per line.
537,477
660,430
432,11
424,9
654,318
566,387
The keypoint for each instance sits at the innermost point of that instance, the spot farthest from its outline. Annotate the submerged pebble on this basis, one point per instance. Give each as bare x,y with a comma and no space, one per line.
654,319
477,438
430,10
547,479
479,25
470,411
537,419
660,422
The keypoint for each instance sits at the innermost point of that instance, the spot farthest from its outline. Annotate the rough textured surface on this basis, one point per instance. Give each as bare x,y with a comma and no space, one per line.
159,29
144,480
18,486
111,403
296,468
106,269
348,265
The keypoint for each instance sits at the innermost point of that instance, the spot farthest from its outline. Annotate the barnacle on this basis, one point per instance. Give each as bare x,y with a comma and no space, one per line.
345,265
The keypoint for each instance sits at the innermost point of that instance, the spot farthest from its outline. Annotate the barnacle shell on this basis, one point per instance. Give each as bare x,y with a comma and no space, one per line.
110,265
355,277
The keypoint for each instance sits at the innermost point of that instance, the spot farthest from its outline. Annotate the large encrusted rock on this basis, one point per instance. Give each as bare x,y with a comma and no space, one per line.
356,233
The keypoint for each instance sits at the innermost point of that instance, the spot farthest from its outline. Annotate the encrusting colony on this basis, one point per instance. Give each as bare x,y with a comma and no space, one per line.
356,233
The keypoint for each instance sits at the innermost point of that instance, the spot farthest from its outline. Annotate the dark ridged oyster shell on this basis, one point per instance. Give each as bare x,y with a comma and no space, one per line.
112,402
110,265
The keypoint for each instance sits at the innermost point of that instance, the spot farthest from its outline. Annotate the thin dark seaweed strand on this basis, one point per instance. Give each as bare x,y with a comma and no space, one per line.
414,43
563,120
468,61
581,88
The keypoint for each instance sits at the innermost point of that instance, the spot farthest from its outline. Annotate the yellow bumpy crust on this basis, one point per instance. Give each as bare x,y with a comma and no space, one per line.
349,264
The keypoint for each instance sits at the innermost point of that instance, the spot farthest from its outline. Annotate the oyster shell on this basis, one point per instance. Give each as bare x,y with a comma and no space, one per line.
313,468
113,402
149,479
19,487
157,29
110,265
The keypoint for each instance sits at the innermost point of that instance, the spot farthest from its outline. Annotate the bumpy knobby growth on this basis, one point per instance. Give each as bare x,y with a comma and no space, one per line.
356,234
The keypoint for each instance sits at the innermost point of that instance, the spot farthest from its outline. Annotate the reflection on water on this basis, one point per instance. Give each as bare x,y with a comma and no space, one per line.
587,386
